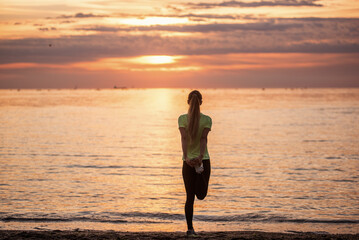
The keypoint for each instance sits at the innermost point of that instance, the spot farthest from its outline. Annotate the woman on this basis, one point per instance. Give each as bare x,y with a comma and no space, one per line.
194,127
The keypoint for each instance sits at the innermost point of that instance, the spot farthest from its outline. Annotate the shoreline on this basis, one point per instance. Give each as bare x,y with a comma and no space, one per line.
95,234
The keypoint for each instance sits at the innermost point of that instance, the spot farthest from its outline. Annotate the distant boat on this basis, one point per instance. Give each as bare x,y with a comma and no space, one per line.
115,87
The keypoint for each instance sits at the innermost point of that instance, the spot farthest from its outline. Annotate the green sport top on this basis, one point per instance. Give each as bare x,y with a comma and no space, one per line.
193,149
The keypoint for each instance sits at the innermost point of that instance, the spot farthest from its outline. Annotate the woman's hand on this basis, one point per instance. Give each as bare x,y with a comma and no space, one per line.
189,162
194,161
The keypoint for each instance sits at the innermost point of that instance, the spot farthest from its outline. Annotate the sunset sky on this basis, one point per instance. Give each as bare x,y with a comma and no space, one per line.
172,43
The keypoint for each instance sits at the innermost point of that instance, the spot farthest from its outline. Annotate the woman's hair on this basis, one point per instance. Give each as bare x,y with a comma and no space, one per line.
194,101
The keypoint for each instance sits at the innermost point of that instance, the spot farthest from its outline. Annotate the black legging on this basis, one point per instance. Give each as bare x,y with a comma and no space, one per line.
196,185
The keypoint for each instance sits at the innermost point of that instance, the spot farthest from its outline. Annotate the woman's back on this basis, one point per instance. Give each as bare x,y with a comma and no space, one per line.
193,146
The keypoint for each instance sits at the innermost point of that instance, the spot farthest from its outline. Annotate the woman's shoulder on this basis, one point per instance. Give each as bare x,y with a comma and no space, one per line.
206,117
183,115
182,120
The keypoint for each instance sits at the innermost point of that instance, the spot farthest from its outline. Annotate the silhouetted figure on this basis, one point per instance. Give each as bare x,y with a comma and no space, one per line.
194,127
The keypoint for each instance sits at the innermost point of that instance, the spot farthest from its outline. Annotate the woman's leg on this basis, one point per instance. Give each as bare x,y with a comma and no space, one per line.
189,178
202,180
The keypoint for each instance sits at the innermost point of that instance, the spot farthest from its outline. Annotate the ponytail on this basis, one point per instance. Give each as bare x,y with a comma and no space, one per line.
194,101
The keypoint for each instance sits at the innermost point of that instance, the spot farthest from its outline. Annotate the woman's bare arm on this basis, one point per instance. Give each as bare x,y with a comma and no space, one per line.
203,143
184,145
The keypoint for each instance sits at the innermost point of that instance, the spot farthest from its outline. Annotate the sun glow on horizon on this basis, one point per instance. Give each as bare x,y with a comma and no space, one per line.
151,63
155,59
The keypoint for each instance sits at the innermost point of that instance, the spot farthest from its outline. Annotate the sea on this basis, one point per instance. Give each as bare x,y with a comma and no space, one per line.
283,160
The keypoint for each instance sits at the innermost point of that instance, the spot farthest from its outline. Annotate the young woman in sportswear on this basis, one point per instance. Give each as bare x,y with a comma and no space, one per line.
194,128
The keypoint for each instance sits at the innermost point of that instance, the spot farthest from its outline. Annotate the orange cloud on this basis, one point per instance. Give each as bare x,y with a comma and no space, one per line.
22,65
204,63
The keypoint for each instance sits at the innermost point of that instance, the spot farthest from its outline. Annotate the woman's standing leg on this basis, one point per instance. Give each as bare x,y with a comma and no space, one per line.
202,180
189,178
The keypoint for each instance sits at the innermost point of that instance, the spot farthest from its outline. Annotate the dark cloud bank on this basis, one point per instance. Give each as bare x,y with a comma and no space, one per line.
203,28
80,15
276,3
89,48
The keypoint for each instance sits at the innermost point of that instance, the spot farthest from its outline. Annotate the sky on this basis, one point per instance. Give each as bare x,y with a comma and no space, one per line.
172,43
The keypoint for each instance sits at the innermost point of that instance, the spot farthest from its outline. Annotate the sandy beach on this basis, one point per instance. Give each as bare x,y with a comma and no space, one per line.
92,234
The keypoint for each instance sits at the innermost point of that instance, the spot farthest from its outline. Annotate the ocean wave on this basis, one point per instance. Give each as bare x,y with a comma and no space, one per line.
120,166
143,217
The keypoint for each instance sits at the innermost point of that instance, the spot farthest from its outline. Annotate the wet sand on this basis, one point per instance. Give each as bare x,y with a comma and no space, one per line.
92,234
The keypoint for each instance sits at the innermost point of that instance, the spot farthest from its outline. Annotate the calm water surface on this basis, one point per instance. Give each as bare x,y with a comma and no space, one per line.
282,160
